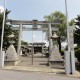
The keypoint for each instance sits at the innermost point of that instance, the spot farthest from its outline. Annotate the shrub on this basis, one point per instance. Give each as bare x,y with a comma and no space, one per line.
62,52
77,54
77,47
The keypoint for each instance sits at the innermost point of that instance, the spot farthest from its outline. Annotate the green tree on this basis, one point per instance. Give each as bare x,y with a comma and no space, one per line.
15,32
24,44
77,31
72,22
7,28
61,18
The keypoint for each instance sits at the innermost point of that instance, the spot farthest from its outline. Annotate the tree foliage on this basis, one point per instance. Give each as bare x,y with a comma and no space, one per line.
72,22
23,43
15,32
77,54
58,17
77,31
7,30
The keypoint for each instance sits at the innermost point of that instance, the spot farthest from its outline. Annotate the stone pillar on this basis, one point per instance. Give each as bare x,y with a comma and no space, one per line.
2,55
50,40
71,44
67,63
32,53
69,55
19,39
71,40
73,62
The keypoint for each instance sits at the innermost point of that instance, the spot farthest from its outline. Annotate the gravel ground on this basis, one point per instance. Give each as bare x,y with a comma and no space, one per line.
38,61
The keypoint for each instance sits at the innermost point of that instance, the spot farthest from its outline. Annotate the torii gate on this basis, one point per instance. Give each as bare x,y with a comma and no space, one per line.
69,60
34,24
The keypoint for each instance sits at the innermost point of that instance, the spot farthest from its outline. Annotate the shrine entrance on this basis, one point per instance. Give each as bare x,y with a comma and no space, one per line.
36,50
39,60
13,57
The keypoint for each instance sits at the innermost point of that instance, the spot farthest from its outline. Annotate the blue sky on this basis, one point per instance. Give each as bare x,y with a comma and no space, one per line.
37,9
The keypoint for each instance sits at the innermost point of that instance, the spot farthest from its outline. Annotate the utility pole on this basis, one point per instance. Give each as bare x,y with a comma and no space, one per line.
2,35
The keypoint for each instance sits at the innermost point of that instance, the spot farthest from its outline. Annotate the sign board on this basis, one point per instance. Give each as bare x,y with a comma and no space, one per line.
35,24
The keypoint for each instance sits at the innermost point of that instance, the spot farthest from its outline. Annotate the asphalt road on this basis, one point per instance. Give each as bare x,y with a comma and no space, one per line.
16,75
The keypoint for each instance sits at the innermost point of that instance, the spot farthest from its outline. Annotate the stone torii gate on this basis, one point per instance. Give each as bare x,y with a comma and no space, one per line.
34,24
69,57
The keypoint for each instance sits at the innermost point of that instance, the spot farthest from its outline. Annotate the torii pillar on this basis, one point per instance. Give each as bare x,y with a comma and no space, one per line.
50,40
19,39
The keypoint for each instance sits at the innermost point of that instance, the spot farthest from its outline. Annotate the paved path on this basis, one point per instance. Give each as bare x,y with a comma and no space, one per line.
38,66
15,75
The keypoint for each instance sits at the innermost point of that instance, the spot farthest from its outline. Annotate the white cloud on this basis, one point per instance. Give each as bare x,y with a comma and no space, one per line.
34,36
37,38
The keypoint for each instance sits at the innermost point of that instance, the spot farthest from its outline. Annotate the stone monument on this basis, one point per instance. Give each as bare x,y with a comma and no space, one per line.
55,57
11,57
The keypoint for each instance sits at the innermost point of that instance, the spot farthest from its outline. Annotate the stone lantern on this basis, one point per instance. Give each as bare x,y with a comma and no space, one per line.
11,37
54,39
11,57
55,57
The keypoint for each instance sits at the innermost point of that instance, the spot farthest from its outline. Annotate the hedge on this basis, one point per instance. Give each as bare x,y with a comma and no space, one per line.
77,54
